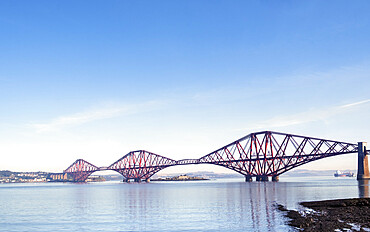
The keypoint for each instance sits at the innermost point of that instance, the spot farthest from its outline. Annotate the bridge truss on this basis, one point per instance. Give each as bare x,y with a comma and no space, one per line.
80,170
140,165
261,155
269,153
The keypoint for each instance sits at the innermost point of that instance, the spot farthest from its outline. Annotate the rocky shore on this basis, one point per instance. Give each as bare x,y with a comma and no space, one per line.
331,215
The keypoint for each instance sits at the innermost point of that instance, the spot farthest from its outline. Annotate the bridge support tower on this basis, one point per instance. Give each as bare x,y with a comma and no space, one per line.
363,162
275,178
248,178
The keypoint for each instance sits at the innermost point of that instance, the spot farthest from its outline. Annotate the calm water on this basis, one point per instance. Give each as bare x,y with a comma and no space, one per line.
217,205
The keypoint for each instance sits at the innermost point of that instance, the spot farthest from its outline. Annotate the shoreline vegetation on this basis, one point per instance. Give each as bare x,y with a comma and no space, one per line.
331,215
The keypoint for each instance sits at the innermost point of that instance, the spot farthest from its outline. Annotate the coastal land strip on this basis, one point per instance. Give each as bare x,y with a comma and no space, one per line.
180,178
331,215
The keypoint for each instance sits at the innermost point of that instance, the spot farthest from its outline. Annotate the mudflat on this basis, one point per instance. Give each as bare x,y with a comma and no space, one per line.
340,215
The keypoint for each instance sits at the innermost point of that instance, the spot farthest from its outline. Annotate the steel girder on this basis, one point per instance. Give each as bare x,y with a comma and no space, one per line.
80,170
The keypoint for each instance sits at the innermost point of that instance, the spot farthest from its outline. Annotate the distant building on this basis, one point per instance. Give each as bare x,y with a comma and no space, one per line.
183,177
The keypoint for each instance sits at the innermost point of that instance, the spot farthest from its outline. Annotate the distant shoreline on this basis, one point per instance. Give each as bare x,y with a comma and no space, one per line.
177,180
180,178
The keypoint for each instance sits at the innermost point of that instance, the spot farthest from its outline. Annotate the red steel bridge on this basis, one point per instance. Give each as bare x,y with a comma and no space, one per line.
260,155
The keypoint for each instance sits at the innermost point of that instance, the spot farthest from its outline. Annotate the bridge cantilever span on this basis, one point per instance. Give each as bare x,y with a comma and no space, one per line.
80,170
140,165
261,155
268,153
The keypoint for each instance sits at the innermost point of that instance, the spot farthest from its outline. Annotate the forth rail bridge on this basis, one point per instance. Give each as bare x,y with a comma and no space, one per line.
260,155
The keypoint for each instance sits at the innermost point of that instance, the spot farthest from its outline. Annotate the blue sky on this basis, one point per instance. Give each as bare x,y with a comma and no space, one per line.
97,79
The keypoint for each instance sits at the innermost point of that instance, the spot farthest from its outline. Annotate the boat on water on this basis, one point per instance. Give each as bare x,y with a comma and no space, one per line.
343,174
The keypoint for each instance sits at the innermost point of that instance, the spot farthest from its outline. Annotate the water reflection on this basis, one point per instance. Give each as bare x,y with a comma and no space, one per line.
199,207
363,188
257,203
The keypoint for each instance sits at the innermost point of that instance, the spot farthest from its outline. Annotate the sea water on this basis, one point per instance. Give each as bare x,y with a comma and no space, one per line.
214,205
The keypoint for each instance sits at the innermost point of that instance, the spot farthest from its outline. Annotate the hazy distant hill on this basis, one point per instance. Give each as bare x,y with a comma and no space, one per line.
204,174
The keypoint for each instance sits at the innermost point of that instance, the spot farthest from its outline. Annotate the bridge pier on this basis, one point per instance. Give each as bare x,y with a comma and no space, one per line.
248,178
275,178
363,162
262,178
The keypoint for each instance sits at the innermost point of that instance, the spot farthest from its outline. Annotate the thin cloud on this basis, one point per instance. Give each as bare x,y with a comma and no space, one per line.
355,103
306,117
94,115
